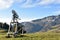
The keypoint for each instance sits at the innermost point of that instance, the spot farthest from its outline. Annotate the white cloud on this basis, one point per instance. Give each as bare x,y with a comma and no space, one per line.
7,20
5,3
33,3
25,20
27,3
46,2
57,1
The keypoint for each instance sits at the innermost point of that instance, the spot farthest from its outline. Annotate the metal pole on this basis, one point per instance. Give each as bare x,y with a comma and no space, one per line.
22,31
9,28
16,28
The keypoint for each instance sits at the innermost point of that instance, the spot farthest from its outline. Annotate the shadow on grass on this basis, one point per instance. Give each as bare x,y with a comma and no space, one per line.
18,36
8,36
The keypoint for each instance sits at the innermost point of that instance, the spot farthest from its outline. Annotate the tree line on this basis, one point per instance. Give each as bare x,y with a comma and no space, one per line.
5,26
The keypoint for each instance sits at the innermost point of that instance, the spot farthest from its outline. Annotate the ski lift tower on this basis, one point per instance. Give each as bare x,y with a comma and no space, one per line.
13,25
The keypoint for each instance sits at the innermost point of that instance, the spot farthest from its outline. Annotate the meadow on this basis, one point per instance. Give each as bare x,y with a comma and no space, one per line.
33,36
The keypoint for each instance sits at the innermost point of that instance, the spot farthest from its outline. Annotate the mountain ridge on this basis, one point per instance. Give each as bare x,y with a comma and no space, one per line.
42,25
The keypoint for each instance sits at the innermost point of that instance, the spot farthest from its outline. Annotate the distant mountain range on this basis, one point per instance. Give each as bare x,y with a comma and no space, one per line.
43,25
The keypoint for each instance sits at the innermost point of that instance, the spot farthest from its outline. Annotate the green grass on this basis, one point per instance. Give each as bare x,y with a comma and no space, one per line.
34,36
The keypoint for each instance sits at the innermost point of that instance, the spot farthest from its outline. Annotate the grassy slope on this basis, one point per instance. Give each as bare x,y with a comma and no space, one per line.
34,36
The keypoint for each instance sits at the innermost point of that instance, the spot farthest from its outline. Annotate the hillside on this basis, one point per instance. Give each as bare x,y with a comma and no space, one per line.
39,25
43,24
55,28
34,36
53,34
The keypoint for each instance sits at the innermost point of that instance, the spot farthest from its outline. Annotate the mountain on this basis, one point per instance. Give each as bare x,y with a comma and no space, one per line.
42,25
56,29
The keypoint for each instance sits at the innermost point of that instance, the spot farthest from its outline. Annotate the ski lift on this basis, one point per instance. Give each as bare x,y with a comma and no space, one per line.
13,25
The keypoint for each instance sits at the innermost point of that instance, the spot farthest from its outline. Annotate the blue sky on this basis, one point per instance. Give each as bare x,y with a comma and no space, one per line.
28,9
